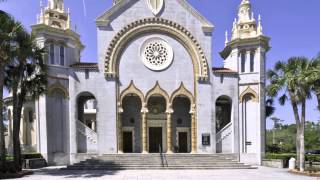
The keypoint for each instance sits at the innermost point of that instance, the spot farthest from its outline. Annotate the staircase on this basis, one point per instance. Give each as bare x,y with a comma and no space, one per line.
160,161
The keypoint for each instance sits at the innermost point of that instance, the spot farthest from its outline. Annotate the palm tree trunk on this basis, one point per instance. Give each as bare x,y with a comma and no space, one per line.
302,127
2,139
16,129
298,144
297,119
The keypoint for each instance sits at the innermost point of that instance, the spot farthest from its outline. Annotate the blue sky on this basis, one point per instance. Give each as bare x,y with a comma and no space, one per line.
293,25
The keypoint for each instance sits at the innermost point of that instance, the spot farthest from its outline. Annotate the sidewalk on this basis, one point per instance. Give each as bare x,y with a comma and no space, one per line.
262,173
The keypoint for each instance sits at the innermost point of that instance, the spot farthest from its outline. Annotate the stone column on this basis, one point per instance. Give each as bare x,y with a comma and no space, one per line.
120,139
144,112
193,129
169,131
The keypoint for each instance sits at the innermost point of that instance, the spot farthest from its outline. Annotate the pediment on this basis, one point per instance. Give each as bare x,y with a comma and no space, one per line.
106,17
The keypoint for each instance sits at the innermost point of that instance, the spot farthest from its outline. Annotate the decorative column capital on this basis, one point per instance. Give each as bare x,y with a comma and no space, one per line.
169,111
192,109
120,110
144,110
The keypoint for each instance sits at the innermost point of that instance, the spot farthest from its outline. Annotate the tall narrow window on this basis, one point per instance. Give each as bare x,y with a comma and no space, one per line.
252,61
30,116
243,62
62,55
51,53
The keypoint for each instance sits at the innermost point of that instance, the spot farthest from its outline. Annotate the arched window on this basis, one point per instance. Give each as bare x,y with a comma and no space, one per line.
223,112
252,61
243,62
51,54
62,56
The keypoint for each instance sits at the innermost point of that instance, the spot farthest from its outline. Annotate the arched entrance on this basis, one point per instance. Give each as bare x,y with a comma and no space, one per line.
223,124
181,124
131,123
86,122
156,123
249,115
57,121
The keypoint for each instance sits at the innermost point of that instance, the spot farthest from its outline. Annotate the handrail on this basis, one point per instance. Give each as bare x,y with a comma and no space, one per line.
86,131
219,134
224,128
164,162
91,131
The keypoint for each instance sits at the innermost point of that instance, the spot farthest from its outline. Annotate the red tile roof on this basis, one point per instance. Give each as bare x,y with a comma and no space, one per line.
223,70
90,66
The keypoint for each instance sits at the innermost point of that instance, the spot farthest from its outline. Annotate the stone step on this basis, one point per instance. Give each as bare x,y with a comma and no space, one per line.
156,161
158,168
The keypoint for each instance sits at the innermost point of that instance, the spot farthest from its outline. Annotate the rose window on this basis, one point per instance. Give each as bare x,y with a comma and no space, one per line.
156,54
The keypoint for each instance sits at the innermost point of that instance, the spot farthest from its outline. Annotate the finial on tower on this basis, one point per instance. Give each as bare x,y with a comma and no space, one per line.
259,26
227,39
54,15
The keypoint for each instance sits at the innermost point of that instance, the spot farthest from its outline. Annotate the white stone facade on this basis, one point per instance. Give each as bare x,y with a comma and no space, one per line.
154,71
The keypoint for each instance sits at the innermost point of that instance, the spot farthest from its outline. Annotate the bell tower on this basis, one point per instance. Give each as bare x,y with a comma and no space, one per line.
245,53
54,15
63,47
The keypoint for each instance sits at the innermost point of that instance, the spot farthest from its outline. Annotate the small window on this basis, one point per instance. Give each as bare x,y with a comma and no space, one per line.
62,55
252,62
221,78
243,62
87,74
51,54
30,116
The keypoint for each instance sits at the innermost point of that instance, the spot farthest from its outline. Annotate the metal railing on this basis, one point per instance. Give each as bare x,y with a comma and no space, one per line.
164,161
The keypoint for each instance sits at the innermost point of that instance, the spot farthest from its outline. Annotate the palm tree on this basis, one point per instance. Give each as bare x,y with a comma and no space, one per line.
290,80
269,107
315,80
26,76
8,29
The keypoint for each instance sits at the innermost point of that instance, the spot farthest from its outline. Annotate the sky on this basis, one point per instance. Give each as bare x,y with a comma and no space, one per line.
292,25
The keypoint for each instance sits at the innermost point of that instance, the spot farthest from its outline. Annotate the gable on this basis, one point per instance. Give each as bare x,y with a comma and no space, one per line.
107,17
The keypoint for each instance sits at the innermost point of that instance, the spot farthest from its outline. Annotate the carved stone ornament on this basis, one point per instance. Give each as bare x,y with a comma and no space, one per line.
156,54
155,6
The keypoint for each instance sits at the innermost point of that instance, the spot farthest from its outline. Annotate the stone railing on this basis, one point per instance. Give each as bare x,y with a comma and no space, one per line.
86,138
224,133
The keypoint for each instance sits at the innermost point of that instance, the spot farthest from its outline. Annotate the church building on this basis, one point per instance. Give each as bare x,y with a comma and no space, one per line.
153,89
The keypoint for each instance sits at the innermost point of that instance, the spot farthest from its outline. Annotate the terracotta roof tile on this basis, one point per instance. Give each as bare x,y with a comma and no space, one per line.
223,70
90,66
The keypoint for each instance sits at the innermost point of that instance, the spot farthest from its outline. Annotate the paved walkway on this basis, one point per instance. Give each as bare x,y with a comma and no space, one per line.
254,174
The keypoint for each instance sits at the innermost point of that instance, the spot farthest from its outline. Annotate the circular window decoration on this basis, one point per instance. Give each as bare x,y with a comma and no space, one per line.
156,54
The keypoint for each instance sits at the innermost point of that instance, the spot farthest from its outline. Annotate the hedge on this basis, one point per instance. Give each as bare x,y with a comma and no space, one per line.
26,156
288,156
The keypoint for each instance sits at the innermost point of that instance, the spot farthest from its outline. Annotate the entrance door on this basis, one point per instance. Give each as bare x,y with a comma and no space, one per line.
183,142
155,139
127,142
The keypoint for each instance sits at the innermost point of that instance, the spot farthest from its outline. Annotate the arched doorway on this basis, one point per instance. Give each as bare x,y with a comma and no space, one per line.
223,124
249,122
181,124
57,122
86,122
131,124
156,124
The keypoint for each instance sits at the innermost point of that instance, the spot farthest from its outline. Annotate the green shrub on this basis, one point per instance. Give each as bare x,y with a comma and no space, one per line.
284,156
288,156
31,156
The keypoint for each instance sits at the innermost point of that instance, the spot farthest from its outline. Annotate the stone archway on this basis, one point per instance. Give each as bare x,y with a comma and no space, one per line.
87,106
156,25
188,124
130,118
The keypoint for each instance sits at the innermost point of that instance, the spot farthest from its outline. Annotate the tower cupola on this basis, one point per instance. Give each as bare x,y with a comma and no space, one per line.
54,15
246,26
